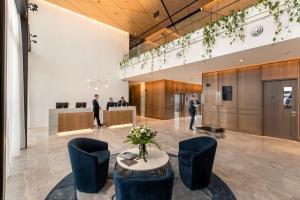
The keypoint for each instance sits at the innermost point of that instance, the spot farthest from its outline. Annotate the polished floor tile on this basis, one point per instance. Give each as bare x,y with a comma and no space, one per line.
254,167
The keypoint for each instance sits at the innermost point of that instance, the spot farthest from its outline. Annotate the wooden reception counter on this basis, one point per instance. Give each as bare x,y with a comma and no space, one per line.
70,119
119,116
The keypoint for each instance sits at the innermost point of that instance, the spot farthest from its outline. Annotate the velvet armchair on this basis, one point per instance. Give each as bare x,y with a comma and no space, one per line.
90,161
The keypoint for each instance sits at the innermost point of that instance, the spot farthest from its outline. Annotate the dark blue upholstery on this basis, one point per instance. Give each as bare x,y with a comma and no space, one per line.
89,160
144,187
196,158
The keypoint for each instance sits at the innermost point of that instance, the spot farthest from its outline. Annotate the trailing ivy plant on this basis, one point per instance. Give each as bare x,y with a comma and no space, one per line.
274,10
209,38
232,26
293,11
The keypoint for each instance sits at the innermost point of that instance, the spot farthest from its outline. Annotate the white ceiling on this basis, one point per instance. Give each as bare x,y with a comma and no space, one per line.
191,73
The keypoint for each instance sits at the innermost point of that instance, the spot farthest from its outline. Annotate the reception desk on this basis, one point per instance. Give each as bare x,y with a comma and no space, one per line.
70,119
119,116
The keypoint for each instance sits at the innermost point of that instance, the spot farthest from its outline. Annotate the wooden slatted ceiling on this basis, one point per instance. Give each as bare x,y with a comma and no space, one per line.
136,16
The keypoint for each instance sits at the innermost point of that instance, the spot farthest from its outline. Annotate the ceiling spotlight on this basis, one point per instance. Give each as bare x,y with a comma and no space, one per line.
241,60
33,7
33,41
201,9
156,15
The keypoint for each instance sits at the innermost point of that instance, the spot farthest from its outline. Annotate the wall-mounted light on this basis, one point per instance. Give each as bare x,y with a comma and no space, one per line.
32,38
32,7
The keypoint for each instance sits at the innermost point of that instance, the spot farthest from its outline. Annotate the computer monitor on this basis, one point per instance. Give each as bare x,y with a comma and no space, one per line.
62,105
80,105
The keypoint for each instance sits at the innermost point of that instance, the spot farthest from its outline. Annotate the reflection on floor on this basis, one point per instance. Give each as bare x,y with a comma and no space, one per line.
254,167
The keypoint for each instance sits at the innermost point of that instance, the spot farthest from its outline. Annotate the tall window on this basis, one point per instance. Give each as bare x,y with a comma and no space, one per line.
15,96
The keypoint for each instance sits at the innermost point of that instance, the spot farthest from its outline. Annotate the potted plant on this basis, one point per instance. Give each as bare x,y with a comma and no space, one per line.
142,136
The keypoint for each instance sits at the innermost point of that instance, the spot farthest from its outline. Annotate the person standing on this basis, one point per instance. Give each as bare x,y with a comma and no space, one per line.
122,102
111,103
194,103
96,109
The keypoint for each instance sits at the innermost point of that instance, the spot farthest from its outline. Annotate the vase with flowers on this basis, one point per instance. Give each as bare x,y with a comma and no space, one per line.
142,136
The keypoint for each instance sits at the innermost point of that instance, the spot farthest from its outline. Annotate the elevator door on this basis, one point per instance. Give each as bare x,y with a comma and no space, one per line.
280,109
179,105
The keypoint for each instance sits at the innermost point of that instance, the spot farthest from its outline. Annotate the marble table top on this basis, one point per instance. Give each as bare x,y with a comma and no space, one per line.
155,159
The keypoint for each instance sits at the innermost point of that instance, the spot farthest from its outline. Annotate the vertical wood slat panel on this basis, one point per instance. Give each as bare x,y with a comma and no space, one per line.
210,108
250,100
228,109
135,97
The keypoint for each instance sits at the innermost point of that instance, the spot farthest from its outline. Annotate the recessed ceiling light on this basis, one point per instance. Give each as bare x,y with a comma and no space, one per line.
241,60
156,15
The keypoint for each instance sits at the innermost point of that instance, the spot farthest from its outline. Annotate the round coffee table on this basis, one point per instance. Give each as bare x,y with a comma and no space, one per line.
157,163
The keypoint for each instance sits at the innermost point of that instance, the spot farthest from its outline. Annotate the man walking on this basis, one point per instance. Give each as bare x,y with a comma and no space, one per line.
96,110
194,103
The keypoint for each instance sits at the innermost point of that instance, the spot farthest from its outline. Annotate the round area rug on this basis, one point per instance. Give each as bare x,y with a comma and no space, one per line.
216,189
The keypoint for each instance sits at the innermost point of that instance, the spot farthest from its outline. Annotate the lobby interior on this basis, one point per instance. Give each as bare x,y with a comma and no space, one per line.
151,66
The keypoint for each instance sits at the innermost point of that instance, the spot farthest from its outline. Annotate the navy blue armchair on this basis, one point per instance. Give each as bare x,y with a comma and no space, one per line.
90,161
144,187
196,158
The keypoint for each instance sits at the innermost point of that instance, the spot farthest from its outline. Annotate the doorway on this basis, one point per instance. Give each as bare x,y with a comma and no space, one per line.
135,97
179,105
280,109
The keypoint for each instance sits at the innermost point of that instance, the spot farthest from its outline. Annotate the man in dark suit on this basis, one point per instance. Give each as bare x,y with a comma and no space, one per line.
111,103
96,110
194,103
122,102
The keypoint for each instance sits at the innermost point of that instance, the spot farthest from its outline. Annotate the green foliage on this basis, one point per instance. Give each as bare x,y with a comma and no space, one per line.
142,135
232,26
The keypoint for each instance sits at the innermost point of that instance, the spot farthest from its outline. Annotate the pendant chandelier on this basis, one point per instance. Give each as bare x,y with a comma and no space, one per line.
96,84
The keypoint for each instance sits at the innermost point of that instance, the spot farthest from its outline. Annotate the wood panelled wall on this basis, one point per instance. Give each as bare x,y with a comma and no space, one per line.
135,97
245,112
159,97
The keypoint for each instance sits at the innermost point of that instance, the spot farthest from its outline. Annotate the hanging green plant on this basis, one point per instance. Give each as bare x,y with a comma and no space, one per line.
209,38
234,25
274,10
231,26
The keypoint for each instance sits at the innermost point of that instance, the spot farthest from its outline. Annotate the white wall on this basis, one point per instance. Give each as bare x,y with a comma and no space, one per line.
71,49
